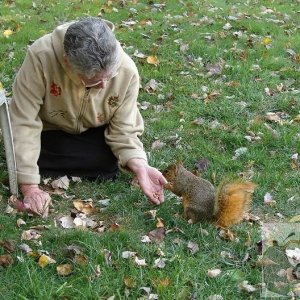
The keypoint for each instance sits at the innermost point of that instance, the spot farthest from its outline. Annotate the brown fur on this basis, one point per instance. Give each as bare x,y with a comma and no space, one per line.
198,195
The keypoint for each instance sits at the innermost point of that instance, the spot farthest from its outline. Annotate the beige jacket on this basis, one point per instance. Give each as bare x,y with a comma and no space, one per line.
47,95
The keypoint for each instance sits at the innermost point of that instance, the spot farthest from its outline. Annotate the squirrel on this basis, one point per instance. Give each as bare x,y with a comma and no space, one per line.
201,202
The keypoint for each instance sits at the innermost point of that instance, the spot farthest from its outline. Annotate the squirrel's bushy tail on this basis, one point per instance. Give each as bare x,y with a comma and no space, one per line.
233,201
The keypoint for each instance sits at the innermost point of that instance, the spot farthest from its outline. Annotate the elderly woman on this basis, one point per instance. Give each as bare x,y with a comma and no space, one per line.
74,112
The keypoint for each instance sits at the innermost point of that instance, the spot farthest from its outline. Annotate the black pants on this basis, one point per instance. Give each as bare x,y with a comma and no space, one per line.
85,155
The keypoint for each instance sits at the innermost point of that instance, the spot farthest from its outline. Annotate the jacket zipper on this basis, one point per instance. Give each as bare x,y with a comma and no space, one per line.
83,106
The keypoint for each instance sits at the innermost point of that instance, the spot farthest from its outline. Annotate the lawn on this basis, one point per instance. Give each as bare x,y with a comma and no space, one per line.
220,91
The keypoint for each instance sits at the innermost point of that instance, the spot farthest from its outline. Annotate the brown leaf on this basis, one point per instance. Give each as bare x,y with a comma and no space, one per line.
160,223
8,245
85,207
151,213
162,282
152,60
129,282
80,259
20,222
157,235
6,260
64,270
264,262
115,226
214,69
227,234
30,234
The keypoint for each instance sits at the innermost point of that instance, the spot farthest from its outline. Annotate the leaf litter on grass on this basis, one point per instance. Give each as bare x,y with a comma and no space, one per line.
244,33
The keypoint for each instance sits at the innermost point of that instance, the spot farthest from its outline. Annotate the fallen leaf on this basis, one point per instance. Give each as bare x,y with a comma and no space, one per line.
240,151
30,234
295,219
140,262
245,286
273,117
293,256
128,254
266,41
215,297
6,260
61,183
64,270
129,282
45,260
8,245
151,213
152,60
80,259
157,145
227,234
25,248
67,222
157,235
139,54
214,69
20,222
145,239
7,33
104,202
198,121
227,26
73,250
85,207
160,223
268,199
76,179
193,247
162,282
264,262
160,262
107,257
115,226
213,273
83,221
290,275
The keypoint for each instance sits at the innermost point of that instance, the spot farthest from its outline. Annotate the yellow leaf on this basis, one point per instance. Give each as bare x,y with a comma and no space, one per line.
45,260
266,41
7,32
160,223
64,270
152,60
296,119
129,282
1,86
295,219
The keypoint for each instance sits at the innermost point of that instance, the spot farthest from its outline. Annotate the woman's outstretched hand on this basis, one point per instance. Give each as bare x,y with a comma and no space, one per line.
150,179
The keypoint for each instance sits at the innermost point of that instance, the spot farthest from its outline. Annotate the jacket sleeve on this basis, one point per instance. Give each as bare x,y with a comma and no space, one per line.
28,95
126,126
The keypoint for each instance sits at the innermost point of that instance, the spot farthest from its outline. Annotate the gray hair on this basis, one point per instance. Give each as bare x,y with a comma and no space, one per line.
91,46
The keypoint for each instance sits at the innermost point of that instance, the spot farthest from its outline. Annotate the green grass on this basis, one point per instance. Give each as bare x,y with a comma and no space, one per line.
181,75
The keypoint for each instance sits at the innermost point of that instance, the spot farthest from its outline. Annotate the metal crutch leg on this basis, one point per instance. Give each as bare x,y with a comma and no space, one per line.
8,143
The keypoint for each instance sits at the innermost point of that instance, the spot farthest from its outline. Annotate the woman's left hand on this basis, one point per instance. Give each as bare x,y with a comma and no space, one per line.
150,180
